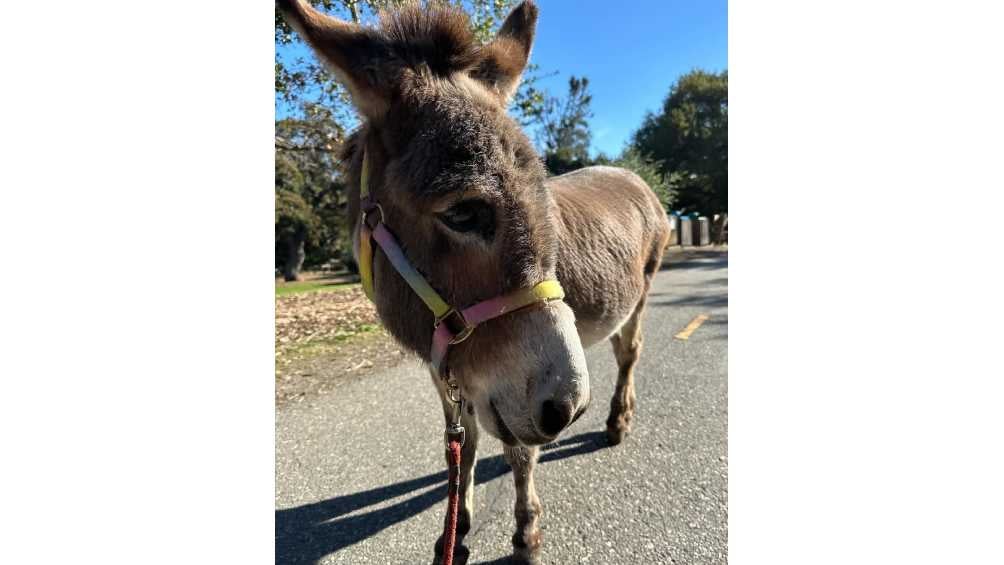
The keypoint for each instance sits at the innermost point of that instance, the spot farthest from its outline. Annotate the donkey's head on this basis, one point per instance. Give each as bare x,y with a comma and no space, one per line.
462,189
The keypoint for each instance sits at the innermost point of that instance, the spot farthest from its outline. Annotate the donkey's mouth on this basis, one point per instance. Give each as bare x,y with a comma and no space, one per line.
509,438
505,434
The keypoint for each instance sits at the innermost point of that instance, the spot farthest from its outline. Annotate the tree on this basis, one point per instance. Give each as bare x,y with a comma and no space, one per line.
294,220
310,199
689,140
651,172
564,128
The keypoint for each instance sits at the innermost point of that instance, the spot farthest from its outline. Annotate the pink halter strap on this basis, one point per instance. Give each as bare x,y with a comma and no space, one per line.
443,337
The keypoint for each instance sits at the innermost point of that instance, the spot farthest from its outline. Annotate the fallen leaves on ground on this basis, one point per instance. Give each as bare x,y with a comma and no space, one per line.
323,335
320,316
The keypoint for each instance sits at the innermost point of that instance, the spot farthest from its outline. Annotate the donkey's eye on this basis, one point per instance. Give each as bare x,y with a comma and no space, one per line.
470,216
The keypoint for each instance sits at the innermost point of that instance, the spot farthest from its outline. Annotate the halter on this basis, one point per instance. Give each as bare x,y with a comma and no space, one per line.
452,325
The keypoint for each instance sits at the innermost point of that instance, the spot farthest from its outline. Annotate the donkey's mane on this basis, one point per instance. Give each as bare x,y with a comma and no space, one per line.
430,44
439,37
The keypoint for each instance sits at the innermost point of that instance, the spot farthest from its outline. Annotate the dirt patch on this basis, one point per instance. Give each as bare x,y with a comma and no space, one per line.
311,317
321,336
319,371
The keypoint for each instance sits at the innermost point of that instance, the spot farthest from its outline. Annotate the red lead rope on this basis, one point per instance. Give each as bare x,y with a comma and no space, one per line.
453,505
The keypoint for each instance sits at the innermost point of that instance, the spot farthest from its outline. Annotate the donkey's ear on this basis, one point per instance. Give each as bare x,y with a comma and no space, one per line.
356,55
505,57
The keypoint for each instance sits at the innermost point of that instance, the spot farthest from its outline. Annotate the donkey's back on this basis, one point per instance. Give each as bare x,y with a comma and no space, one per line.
612,233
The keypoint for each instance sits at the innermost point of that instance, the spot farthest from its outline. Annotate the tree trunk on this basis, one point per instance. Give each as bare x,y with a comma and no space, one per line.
350,264
294,258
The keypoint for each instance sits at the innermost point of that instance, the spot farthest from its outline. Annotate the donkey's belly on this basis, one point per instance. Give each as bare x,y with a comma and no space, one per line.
603,291
603,282
592,332
612,232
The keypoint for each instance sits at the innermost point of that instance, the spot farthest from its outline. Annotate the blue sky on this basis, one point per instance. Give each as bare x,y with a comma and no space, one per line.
632,51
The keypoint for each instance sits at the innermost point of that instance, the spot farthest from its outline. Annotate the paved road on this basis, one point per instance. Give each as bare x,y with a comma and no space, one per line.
360,471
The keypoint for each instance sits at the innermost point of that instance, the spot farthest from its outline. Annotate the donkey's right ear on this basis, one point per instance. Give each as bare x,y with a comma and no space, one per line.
505,57
356,55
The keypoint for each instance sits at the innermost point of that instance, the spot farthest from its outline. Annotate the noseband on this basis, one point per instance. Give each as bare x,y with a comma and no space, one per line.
452,325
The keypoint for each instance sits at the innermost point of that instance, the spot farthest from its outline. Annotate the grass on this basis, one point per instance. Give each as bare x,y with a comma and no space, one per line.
287,288
321,346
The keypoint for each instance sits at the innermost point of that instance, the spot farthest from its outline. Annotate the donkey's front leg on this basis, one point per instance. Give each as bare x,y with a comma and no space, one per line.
468,457
627,349
526,540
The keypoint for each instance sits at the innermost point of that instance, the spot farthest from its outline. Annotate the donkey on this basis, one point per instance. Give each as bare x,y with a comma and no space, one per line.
462,189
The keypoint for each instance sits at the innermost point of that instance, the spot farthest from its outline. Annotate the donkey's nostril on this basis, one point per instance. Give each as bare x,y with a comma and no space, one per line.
554,416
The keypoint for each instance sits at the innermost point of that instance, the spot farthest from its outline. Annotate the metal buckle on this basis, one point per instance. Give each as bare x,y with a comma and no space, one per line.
454,431
465,329
453,393
364,214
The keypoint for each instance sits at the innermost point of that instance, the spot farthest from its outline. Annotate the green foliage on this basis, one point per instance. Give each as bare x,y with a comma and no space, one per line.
651,172
486,15
320,285
689,140
310,199
294,218
564,128
527,105
565,136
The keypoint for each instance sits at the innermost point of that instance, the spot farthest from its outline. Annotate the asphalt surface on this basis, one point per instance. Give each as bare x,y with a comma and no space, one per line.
360,475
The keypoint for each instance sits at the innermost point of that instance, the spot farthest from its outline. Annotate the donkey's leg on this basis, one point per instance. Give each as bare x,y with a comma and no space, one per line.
468,457
526,540
627,349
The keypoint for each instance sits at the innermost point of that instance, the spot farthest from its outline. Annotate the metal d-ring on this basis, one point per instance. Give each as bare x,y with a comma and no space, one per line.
466,329
373,206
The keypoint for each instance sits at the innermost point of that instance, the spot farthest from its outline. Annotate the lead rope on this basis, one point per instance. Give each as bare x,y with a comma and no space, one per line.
450,534
455,435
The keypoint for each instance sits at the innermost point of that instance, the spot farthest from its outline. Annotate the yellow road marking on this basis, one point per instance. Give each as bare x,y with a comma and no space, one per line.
691,327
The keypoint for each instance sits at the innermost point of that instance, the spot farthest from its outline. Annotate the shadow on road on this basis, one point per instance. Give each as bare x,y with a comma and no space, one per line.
305,534
696,259
710,301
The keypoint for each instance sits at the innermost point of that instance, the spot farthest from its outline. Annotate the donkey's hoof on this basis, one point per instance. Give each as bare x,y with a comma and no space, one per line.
460,552
616,434
524,553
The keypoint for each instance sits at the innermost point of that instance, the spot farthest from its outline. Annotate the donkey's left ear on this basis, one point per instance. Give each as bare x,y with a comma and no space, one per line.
505,57
358,56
